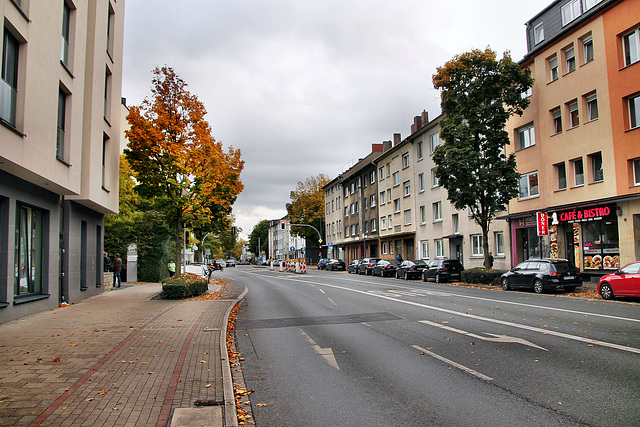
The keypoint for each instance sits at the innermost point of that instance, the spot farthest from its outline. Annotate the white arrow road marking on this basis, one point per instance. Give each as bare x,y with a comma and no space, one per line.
326,353
452,363
497,338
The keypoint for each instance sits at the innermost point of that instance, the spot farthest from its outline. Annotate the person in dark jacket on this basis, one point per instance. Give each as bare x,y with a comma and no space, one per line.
117,266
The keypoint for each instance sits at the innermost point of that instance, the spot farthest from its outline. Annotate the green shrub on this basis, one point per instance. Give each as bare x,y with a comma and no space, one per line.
481,276
186,286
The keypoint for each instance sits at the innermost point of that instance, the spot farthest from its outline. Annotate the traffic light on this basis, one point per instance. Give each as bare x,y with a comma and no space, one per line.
282,222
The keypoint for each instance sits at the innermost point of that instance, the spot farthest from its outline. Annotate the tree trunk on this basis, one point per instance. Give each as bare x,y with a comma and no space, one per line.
485,244
179,236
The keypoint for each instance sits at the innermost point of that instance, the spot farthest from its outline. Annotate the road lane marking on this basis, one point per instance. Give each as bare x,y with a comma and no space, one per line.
486,319
496,338
332,301
452,363
326,353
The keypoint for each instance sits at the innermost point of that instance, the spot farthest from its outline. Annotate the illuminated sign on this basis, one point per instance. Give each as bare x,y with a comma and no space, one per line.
583,214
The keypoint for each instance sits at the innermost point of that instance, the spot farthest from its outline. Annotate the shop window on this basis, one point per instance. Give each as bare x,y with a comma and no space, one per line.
601,244
29,246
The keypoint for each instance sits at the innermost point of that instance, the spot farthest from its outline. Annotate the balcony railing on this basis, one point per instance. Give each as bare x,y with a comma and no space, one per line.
8,96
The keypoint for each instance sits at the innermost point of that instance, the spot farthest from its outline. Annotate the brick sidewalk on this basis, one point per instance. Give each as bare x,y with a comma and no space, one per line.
120,358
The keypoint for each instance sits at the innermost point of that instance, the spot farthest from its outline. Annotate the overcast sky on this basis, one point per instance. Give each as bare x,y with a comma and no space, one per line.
305,87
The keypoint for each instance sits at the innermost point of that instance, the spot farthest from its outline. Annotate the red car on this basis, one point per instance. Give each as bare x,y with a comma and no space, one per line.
623,283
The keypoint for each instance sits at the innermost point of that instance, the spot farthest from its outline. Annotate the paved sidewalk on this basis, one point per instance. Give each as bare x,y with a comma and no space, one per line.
117,359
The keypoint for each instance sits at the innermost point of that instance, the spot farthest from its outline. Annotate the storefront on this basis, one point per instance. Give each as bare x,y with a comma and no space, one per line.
587,236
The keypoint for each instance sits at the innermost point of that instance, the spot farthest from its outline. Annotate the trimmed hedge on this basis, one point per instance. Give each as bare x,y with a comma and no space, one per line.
481,276
186,286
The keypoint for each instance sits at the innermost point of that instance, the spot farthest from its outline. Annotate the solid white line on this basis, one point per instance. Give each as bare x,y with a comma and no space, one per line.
332,301
486,319
452,363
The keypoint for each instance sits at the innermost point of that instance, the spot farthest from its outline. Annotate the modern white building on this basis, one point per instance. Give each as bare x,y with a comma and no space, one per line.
60,133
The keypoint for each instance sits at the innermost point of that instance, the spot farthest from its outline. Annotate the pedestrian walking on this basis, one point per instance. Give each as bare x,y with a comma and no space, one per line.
399,258
172,268
117,266
490,261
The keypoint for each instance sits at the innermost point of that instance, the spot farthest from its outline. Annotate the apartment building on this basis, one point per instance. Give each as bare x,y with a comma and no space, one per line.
577,144
333,219
59,144
441,231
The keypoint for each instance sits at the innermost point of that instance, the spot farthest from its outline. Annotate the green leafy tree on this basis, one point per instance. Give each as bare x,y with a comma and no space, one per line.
307,207
260,232
177,162
478,95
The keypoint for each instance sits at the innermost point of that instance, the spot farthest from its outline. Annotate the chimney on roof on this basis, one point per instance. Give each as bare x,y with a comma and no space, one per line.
397,138
387,145
377,148
417,124
425,118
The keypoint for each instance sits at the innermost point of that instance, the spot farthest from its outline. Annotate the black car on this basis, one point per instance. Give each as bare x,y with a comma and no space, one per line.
542,275
385,267
410,269
335,264
442,270
322,264
366,266
353,267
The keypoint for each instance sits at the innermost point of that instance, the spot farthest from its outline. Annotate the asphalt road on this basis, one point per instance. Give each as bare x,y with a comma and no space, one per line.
330,348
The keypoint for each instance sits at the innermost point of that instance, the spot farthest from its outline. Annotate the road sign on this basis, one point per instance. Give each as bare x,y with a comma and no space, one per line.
330,245
292,248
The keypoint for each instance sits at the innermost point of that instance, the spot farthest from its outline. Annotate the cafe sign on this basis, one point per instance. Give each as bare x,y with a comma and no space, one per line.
583,214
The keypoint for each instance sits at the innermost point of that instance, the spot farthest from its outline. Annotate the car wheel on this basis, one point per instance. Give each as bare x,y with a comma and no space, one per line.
438,279
397,275
505,284
537,286
606,292
406,275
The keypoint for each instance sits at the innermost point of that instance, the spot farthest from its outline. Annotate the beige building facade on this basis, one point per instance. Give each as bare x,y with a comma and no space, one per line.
60,133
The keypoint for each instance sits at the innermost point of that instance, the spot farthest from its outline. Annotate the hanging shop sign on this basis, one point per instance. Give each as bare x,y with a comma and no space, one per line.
543,224
583,214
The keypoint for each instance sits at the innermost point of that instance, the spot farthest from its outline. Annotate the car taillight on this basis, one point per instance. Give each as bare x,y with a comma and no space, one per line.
412,268
555,273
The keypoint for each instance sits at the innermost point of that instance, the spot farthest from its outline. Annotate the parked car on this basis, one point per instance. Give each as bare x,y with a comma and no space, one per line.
366,266
336,264
276,263
542,275
623,283
353,267
442,270
385,267
410,269
197,269
322,264
230,263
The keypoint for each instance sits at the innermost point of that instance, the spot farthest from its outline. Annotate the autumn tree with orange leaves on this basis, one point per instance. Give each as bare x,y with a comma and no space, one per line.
177,162
307,206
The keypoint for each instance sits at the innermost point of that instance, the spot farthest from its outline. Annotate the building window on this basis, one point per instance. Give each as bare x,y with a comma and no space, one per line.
382,198
499,237
388,169
389,195
631,46
372,177
597,168
381,173
439,248
61,140
561,172
570,60
391,247
421,182
405,160
587,49
107,95
636,172
434,142
435,182
456,223
528,185
396,178
372,201
526,136
570,11
574,119
384,248
419,150
66,26
437,211
538,33
389,222
592,107
578,172
383,223
9,83
346,231
553,69
346,211
396,205
476,245
110,31
588,4
634,112
424,249
407,217
105,151
557,120
29,246
407,188
365,227
423,215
